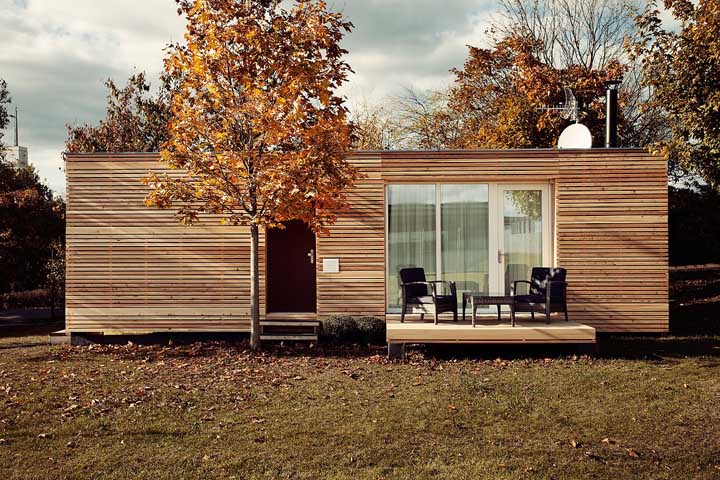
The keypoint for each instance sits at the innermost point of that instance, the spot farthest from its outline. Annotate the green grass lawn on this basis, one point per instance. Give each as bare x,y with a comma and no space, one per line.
644,408
216,411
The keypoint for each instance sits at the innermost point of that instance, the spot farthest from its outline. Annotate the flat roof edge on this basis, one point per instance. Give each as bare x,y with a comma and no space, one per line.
404,152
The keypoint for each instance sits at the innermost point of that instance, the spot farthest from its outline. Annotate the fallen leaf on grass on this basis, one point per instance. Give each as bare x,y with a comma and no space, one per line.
43,435
609,441
633,453
575,443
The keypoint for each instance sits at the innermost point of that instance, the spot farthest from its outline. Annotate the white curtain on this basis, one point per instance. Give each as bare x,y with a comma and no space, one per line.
465,235
411,234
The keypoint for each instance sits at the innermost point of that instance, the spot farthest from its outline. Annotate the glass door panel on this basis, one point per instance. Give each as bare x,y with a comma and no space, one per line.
411,237
522,241
465,236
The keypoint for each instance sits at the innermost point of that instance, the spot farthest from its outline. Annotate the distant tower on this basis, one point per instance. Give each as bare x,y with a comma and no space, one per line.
16,154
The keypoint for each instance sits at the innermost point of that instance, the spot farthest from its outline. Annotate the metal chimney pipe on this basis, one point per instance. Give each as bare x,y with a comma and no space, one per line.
611,113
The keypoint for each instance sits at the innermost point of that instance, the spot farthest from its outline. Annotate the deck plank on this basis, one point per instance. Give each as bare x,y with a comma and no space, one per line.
490,332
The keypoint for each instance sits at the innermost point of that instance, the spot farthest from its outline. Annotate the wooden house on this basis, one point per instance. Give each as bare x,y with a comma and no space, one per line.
480,218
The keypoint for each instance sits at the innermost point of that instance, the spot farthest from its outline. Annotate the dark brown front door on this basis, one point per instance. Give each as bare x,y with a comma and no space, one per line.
291,269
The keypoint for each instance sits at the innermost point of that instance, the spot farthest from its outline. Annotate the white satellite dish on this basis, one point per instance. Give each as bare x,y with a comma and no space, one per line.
576,135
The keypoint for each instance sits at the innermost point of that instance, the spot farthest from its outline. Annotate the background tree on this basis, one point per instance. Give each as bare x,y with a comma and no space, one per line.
256,122
55,275
694,225
374,127
537,48
584,33
681,67
426,121
500,92
4,116
411,120
31,219
136,119
588,35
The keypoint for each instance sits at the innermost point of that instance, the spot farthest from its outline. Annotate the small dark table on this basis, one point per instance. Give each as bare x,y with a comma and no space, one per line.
477,298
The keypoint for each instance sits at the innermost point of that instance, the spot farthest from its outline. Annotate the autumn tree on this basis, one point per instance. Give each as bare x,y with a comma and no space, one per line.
681,67
501,91
136,119
256,122
588,35
537,47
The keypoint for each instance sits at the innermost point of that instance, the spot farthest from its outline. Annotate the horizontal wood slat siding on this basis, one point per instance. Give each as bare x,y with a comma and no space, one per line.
611,223
358,241
135,269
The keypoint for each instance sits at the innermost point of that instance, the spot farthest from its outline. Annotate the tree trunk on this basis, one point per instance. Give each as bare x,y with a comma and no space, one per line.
254,288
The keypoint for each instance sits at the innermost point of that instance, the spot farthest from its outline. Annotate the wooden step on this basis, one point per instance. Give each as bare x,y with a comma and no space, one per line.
290,330
281,323
289,338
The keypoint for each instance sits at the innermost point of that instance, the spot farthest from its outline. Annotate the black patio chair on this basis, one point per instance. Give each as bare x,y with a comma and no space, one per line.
547,293
422,296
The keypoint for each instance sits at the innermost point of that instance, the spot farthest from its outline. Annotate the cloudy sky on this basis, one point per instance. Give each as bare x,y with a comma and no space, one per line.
56,54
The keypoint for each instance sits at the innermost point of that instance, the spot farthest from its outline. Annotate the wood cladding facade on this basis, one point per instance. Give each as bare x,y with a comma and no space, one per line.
134,269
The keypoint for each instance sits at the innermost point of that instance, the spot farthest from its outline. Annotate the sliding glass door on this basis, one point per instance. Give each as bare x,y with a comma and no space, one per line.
481,236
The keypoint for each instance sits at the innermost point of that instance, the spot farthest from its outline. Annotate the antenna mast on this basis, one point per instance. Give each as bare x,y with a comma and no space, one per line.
569,110
577,135
17,143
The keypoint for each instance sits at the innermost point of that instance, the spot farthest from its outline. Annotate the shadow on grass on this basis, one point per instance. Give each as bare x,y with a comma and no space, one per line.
659,347
636,347
198,346
16,336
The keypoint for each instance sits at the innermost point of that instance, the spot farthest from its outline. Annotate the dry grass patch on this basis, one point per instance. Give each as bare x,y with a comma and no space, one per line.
218,411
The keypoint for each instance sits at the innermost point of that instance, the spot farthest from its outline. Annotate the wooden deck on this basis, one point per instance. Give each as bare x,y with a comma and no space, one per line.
489,331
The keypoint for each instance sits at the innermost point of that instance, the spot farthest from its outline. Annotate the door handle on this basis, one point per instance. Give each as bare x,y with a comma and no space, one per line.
311,255
501,256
